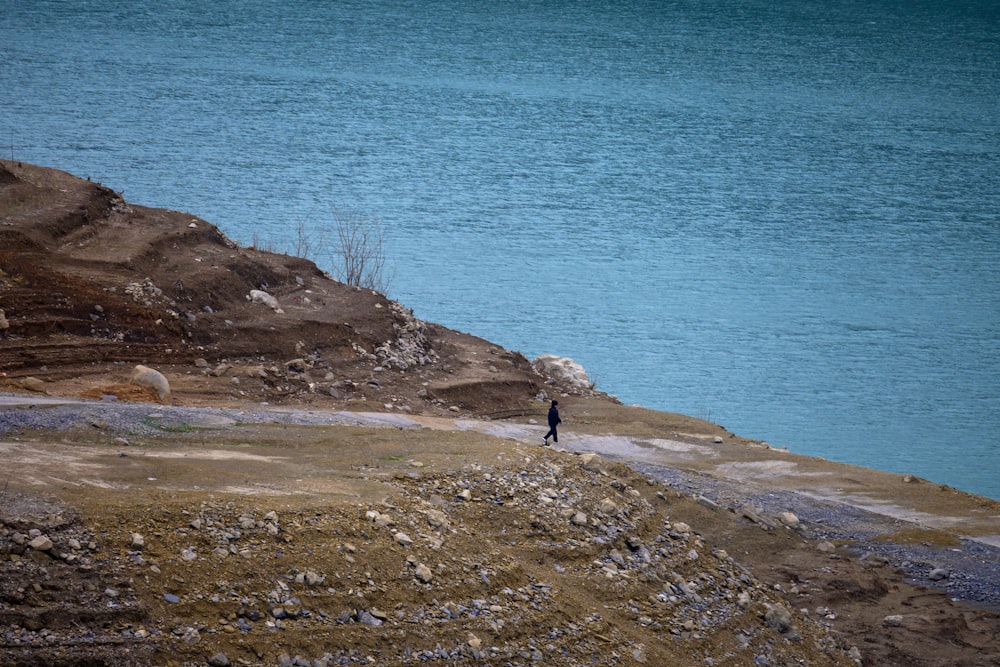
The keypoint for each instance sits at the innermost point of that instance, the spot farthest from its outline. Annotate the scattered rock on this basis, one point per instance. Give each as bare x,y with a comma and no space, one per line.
40,543
219,659
778,617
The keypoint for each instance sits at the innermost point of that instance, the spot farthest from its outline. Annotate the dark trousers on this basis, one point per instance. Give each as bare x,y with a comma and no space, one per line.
552,433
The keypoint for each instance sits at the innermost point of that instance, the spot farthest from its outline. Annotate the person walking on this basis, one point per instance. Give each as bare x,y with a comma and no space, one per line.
554,421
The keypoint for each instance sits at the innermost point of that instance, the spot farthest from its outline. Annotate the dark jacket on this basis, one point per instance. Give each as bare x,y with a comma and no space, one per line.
554,416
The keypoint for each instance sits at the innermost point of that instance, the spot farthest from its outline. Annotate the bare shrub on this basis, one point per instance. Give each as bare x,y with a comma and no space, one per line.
353,245
304,241
357,252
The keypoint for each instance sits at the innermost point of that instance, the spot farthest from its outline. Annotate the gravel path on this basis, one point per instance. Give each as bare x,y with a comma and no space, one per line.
973,568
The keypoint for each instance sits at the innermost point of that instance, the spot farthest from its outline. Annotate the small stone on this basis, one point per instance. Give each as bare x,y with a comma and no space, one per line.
424,573
939,573
171,598
789,519
579,519
778,617
403,539
219,659
366,618
40,543
893,621
874,558
138,541
592,462
706,502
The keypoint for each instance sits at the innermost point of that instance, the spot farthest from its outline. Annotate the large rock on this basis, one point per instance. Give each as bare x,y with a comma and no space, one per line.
562,369
143,376
33,384
260,296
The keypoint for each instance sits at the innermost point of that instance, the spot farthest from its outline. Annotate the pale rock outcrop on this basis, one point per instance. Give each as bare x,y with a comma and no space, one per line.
562,369
143,376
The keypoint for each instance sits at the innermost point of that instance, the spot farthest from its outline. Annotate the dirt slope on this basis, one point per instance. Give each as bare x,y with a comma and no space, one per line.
91,285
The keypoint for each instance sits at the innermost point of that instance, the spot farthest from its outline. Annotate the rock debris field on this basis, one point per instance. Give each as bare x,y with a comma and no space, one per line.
516,555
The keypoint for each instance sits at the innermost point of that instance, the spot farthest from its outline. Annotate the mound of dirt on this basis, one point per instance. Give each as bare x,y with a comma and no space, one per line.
91,285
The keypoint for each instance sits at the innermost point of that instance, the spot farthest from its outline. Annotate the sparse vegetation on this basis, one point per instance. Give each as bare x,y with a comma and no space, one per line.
353,245
358,252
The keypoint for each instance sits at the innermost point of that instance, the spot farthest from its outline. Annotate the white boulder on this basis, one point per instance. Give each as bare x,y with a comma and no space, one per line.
260,296
143,376
562,369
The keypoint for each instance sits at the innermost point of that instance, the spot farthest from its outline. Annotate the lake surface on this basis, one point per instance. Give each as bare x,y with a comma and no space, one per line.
780,216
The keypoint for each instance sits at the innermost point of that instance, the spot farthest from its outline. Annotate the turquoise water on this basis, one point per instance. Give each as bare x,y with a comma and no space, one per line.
780,216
